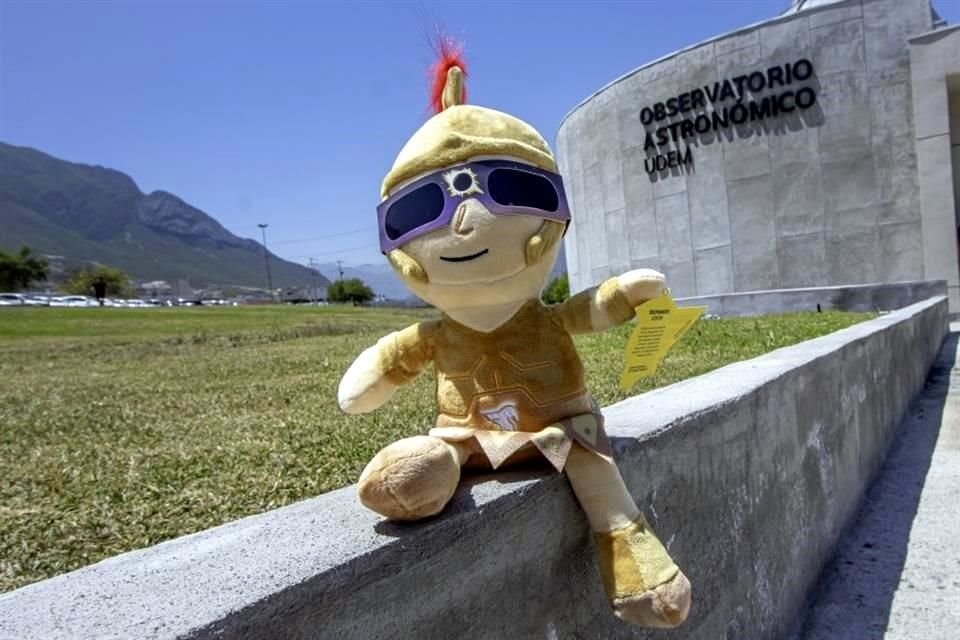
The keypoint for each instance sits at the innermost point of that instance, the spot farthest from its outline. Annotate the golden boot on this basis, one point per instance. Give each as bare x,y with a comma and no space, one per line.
642,582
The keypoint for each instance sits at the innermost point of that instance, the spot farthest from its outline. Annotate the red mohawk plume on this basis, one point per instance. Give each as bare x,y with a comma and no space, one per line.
450,54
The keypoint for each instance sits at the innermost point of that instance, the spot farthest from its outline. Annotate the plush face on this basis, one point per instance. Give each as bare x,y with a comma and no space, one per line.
476,246
479,260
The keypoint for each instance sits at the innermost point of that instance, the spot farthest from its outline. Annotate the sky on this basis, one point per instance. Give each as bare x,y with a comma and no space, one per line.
291,113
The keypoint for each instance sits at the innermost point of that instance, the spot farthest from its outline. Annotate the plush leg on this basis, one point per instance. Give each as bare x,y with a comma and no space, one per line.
412,478
645,587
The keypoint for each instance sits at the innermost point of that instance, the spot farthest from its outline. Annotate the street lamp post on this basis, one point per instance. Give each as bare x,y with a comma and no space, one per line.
266,259
313,281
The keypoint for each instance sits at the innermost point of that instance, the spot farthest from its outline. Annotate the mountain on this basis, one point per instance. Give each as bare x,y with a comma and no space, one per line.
89,213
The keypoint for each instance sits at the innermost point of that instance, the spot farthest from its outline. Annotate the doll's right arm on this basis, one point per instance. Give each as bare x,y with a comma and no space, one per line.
379,371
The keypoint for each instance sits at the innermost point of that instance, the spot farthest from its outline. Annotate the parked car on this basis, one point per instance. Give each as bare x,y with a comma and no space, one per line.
74,301
121,302
12,299
38,301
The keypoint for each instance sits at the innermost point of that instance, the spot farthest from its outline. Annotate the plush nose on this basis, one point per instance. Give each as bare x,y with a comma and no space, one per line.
469,216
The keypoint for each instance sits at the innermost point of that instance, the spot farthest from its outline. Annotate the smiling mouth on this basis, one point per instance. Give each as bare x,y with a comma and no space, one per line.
465,258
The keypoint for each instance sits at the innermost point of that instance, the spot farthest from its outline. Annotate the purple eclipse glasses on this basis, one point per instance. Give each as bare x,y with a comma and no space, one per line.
502,186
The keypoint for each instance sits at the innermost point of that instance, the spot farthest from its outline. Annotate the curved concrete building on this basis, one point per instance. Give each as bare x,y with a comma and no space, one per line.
812,149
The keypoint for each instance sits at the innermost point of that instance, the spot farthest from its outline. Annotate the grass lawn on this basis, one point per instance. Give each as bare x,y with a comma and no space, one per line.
125,427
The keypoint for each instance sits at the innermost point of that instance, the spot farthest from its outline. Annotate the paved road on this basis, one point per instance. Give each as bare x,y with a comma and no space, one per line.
896,574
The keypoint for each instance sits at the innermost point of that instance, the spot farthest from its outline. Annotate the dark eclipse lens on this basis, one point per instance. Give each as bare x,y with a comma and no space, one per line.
462,182
515,188
417,208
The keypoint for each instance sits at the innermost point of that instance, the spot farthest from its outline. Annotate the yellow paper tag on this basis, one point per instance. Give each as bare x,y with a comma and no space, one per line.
660,323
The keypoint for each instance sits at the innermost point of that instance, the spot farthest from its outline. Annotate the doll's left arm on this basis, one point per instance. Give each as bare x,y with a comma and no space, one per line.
640,285
611,304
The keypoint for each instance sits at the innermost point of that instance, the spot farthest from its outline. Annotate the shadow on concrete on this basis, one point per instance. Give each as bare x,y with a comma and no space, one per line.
463,500
854,594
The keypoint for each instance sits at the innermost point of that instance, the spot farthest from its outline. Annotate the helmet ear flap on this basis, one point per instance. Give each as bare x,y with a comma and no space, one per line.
406,266
549,233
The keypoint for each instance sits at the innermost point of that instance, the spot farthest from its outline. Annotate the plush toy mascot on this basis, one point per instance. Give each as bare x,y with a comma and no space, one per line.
471,217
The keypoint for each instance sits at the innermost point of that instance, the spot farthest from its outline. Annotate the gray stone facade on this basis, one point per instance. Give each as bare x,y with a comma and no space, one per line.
828,195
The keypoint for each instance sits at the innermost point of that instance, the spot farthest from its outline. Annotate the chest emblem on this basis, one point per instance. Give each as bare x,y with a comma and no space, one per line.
504,415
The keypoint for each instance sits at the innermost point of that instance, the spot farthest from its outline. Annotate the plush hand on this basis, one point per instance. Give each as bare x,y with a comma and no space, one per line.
363,387
640,285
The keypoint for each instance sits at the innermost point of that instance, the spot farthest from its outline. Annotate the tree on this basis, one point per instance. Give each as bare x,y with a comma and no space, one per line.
117,282
18,270
557,291
351,290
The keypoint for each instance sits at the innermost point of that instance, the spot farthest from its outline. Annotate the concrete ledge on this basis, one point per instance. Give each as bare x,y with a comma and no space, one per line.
750,472
854,297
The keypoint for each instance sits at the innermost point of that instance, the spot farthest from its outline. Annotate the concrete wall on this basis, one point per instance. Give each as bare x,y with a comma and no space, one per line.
826,197
935,67
749,472
864,297
953,85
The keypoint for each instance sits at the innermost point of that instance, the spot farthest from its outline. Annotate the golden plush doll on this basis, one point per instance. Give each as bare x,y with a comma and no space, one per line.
472,216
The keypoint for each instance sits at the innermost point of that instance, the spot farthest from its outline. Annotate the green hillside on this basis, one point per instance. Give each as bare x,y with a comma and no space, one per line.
92,214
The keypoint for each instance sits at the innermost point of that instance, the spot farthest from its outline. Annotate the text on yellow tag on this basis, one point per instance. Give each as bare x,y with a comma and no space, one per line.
660,323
